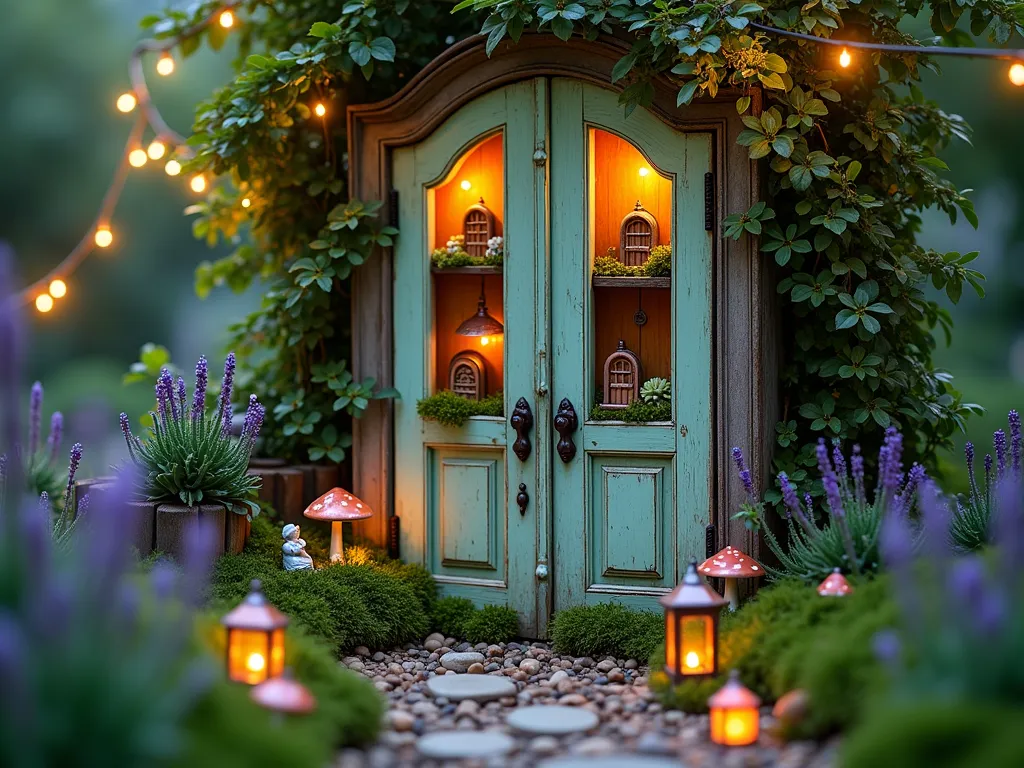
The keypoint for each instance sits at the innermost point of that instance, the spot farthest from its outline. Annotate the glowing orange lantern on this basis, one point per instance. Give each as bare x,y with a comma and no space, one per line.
691,627
735,719
255,639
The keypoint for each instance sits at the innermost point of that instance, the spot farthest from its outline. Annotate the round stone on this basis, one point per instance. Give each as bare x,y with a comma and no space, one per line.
462,745
552,720
461,662
476,687
610,761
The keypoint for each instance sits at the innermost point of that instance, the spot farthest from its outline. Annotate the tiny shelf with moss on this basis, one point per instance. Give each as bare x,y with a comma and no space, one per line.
452,410
468,270
610,281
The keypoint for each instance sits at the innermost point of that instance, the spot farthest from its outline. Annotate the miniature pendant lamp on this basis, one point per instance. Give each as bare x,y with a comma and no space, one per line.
731,564
255,638
480,324
835,585
284,696
691,627
336,506
735,719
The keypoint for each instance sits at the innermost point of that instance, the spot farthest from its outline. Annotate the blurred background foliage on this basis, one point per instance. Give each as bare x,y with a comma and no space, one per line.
60,137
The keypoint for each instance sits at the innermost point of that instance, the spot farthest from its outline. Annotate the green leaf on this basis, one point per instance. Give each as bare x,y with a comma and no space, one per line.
360,53
382,49
742,104
846,318
562,27
686,95
322,29
623,66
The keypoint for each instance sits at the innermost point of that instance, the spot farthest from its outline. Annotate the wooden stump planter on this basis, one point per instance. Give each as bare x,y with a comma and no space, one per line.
288,489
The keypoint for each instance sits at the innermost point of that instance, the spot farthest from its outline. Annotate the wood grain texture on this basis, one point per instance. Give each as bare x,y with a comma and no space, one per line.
613,320
455,299
483,167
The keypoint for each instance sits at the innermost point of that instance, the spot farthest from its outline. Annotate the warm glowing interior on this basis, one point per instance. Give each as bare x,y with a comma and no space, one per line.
620,176
697,645
455,299
734,727
255,656
479,173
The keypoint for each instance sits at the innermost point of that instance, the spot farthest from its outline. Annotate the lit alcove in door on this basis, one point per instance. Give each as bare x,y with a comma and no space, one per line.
630,219
465,216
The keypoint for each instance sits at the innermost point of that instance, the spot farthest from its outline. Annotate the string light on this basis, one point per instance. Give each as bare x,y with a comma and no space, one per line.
227,19
58,288
1016,73
165,65
320,110
137,158
198,183
157,149
126,102
466,185
845,58
44,302
644,171
246,202
104,237
173,168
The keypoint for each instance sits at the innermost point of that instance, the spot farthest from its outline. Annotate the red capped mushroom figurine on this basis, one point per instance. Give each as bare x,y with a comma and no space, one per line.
284,695
731,564
835,585
336,506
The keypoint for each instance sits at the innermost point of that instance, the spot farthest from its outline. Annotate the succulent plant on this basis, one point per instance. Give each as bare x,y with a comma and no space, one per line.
656,390
190,454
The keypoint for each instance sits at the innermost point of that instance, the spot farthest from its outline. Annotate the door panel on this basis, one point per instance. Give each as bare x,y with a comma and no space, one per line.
637,496
455,487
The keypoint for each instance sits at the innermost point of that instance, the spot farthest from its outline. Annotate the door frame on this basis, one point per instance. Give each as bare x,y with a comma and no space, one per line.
745,333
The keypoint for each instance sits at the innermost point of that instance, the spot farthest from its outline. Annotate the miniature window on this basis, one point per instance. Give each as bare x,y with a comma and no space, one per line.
465,213
630,236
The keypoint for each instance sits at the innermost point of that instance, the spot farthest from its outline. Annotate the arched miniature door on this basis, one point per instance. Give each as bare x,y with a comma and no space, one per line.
637,236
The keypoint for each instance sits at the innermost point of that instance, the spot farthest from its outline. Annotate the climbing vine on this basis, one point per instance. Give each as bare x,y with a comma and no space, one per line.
851,159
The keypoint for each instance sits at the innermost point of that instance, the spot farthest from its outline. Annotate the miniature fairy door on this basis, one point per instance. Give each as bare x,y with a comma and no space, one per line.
631,502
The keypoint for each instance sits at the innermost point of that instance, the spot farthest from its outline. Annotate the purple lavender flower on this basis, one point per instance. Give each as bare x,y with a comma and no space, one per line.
56,435
896,543
253,422
839,461
225,394
182,396
163,413
857,470
890,466
199,396
165,384
129,438
915,477
74,459
887,647
988,468
934,521
789,496
748,484
35,418
1015,440
829,480
999,441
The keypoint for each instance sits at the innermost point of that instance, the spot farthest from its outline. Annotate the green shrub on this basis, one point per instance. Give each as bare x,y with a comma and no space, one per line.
492,624
612,267
398,615
419,579
659,263
935,734
607,629
451,615
636,412
452,410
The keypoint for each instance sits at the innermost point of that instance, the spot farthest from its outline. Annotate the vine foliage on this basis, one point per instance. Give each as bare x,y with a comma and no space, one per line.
851,159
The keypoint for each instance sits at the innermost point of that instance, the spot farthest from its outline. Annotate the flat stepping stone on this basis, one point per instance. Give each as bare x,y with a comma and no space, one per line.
552,720
476,687
461,662
462,745
611,761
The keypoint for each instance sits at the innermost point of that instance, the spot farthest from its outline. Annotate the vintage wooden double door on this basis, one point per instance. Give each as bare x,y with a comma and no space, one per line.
586,507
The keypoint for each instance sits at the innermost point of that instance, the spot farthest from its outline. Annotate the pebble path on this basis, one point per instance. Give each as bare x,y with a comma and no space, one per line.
520,704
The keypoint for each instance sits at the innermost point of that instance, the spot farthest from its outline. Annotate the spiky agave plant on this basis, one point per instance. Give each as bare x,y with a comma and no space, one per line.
970,526
190,455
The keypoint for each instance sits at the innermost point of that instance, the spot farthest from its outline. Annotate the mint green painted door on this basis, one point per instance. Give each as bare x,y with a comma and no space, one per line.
455,487
630,509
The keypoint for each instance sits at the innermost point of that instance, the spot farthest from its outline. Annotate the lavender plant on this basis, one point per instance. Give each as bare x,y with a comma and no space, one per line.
848,536
190,454
971,521
43,472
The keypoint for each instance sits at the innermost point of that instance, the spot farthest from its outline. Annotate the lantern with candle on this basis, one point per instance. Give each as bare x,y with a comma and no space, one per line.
255,648
691,627
735,719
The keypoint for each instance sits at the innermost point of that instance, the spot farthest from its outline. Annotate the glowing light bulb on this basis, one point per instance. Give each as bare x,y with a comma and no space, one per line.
103,237
173,168
484,341
165,65
126,102
466,185
44,302
255,662
644,171
1016,74
156,150
845,59
246,202
198,183
320,110
227,19
692,660
58,288
137,158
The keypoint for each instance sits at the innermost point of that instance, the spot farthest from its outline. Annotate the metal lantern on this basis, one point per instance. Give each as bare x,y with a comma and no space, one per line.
255,648
691,627
735,719
481,323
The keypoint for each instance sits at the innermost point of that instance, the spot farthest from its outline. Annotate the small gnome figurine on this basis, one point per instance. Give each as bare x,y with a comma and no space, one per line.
294,549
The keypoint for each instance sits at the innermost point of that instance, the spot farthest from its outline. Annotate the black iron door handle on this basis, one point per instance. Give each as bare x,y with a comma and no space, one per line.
522,423
522,498
565,423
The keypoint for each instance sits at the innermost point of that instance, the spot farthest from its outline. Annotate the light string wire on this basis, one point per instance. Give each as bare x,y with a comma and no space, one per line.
149,116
